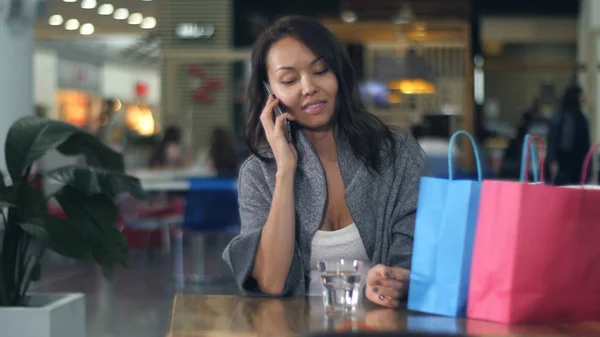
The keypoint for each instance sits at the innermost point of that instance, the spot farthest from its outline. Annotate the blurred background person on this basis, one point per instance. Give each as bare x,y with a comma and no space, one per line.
41,111
169,152
107,112
223,157
568,140
511,162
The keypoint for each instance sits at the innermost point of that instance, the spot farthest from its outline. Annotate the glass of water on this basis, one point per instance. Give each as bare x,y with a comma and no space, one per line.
342,282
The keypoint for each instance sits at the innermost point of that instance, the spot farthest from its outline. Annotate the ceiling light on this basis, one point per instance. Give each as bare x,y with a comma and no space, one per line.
55,20
70,0
135,19
348,16
106,9
88,4
86,29
121,14
72,24
148,22
404,15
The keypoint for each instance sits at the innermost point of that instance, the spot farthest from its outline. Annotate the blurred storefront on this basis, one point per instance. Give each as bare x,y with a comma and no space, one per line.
198,67
78,92
131,110
110,98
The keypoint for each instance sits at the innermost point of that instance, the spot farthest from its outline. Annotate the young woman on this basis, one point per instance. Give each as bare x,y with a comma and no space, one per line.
345,187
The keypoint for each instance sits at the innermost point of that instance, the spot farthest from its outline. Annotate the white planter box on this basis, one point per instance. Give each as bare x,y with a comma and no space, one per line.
48,315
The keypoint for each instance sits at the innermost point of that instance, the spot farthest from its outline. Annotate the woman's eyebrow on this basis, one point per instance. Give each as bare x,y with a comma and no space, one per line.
292,68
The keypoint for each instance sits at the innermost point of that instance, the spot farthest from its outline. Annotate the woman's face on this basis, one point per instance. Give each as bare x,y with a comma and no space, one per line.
303,82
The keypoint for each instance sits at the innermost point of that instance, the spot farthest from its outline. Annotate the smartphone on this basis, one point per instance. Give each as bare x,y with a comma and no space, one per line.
279,111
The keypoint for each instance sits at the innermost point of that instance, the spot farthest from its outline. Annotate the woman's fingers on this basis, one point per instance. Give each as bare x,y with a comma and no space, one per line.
266,117
383,296
279,129
387,292
387,285
392,284
399,274
376,273
382,272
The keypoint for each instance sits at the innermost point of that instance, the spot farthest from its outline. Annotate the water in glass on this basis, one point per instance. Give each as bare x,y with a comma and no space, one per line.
342,284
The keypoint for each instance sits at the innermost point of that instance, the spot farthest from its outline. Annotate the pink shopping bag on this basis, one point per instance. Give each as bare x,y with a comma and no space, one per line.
536,254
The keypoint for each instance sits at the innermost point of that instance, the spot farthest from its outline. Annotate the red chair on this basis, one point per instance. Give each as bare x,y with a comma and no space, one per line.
149,227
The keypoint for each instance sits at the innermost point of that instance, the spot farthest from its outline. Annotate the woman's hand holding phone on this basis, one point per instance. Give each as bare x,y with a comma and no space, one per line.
284,151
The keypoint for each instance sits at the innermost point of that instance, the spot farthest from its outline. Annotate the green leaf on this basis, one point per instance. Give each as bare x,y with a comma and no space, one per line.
2,182
108,271
117,255
118,252
36,272
92,181
36,230
109,260
7,198
95,152
65,239
30,138
31,201
95,216
6,204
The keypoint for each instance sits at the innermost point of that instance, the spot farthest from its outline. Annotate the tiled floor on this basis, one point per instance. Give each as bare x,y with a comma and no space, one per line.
138,301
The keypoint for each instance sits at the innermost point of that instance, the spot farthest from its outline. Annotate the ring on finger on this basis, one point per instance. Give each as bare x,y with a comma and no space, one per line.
392,302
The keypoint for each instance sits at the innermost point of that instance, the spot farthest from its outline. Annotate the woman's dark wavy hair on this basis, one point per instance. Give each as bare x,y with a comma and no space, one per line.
369,137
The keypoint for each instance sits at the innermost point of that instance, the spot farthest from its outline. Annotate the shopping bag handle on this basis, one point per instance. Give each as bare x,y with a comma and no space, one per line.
586,163
524,159
473,144
529,150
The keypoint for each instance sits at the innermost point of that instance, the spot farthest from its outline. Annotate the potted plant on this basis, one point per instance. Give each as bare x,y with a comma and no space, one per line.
87,196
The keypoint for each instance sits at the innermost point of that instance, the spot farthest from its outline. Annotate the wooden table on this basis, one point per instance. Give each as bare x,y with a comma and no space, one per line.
224,315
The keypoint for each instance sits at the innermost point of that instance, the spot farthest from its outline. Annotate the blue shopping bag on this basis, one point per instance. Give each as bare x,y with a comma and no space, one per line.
443,241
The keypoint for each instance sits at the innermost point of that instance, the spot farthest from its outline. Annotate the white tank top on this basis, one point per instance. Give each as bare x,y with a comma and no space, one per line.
344,243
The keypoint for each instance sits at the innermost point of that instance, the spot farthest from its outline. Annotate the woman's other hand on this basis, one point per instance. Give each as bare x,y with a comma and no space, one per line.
386,286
